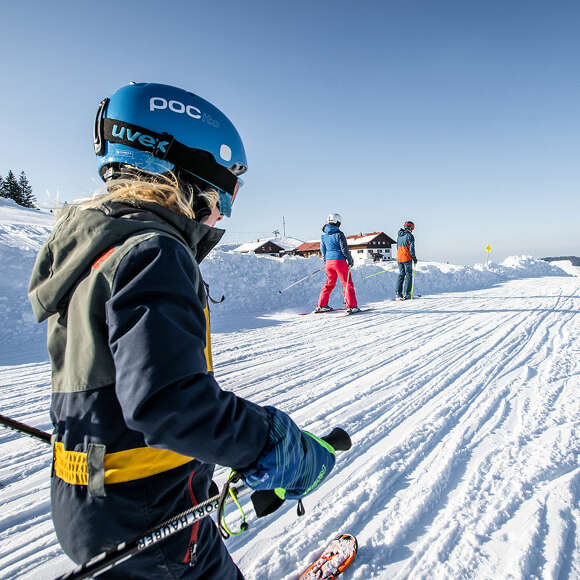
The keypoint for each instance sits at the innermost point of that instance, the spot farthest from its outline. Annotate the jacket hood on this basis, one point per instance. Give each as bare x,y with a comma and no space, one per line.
330,229
82,235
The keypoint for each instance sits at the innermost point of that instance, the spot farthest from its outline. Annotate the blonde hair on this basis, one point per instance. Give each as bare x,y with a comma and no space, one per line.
164,190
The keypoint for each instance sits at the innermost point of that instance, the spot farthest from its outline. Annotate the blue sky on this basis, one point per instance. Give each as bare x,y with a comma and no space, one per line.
462,116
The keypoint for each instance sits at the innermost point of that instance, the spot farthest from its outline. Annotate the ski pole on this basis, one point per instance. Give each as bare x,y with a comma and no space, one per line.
26,429
378,273
301,279
125,550
346,287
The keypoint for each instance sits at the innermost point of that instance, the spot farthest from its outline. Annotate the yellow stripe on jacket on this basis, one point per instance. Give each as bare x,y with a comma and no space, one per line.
120,467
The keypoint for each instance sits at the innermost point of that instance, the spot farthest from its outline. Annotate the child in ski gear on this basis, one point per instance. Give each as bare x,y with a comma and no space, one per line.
405,258
337,262
139,419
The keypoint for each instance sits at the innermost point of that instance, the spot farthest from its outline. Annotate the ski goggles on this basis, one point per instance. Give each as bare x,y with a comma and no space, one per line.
225,200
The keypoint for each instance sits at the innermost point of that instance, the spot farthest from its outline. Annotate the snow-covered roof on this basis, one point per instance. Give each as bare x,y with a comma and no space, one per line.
282,243
358,239
309,246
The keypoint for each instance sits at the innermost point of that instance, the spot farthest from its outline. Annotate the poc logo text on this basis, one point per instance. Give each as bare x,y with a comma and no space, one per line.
160,104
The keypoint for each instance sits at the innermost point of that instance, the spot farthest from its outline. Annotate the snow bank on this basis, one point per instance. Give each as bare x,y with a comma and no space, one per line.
251,283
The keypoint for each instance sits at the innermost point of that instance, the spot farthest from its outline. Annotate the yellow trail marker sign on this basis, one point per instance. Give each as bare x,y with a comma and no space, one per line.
488,248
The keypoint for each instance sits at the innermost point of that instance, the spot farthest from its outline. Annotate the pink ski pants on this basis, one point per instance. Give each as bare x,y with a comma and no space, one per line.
334,269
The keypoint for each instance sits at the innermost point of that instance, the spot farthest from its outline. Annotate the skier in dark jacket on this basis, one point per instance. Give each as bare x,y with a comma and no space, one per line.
406,258
337,263
139,419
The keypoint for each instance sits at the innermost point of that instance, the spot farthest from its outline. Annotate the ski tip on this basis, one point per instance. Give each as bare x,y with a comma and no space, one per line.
334,560
350,539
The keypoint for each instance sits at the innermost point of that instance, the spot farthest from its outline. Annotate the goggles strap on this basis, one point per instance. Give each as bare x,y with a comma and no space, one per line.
166,147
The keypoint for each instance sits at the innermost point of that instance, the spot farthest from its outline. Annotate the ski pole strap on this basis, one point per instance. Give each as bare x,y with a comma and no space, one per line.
212,300
224,531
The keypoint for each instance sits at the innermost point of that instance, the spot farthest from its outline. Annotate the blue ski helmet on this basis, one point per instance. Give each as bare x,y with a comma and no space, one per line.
159,128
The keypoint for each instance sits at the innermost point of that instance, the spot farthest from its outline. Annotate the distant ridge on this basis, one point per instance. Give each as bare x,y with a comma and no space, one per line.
575,260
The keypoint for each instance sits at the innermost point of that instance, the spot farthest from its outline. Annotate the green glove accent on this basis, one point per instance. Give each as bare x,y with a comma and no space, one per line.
322,442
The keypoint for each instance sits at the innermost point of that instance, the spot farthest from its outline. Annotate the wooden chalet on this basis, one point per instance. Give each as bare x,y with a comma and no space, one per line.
374,247
270,246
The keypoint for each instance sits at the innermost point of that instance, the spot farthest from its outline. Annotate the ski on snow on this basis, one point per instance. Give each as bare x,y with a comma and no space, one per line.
342,311
324,312
334,560
415,296
360,311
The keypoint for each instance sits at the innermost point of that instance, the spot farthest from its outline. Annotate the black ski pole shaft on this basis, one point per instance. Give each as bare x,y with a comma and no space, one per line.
125,550
301,279
23,428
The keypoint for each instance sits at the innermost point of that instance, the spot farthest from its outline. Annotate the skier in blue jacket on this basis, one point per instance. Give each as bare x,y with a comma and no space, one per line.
139,419
337,263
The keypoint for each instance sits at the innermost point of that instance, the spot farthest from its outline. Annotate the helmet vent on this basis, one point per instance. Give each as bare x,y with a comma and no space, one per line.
225,153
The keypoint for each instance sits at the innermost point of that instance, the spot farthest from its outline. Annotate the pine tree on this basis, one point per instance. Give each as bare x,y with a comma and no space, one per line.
11,189
28,199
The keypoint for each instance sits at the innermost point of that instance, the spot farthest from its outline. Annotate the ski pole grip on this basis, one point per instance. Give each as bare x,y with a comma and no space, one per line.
266,501
339,439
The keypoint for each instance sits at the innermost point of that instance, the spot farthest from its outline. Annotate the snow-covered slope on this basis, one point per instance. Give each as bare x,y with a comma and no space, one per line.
22,233
463,408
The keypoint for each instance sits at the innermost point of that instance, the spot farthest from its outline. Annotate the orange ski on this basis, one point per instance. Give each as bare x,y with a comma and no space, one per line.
334,560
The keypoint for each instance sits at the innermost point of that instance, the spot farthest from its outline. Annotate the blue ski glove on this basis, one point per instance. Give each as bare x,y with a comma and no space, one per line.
293,463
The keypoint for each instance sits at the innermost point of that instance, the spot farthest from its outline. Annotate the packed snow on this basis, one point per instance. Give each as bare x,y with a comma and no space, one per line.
462,405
